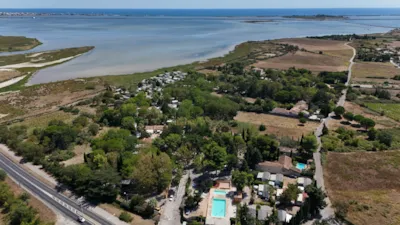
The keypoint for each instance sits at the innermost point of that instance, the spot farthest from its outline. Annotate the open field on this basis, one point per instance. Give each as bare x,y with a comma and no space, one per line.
367,183
391,110
278,125
315,45
17,43
79,150
307,60
365,70
45,213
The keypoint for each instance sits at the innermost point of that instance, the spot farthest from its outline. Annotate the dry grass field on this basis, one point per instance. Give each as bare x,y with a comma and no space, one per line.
374,69
367,183
307,60
315,45
277,125
39,99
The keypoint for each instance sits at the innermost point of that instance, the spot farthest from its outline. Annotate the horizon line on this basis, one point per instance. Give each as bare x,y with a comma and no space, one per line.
388,7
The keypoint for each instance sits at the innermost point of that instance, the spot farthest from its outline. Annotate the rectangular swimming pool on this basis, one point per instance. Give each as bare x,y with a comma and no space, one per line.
218,207
301,166
220,192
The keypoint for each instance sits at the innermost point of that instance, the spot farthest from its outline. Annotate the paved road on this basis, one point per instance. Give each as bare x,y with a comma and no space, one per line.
328,211
171,215
60,202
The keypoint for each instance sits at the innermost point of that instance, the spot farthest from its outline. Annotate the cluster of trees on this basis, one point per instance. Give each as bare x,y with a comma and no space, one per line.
16,208
344,37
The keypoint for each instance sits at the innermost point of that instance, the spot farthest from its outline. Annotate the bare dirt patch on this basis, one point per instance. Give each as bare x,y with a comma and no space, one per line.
79,150
307,60
278,125
45,213
368,183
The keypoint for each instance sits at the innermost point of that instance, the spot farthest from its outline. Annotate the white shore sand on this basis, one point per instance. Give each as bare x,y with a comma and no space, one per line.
11,82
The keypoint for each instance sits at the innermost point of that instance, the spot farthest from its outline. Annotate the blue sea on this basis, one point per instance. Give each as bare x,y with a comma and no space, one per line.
136,40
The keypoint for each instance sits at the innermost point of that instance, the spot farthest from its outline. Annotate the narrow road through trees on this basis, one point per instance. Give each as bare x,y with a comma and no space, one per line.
328,211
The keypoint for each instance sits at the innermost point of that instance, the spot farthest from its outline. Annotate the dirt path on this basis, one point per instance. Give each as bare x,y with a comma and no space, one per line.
11,82
328,211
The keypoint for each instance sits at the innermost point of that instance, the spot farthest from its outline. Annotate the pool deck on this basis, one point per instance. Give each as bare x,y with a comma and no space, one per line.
229,210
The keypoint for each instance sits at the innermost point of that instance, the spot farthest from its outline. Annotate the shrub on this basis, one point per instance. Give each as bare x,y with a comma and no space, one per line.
124,216
93,129
262,127
3,175
303,120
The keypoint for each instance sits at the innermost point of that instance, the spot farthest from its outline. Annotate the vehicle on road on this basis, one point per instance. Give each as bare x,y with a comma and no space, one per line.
171,198
81,219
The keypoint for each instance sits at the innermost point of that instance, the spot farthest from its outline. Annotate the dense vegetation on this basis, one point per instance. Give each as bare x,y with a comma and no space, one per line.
16,208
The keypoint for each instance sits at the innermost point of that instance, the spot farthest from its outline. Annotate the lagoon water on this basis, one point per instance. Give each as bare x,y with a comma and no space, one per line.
135,43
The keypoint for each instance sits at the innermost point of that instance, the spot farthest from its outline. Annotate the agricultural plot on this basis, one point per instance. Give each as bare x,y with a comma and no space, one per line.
366,185
391,110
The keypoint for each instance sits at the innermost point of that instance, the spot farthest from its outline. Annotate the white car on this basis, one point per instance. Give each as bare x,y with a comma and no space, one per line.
171,198
81,219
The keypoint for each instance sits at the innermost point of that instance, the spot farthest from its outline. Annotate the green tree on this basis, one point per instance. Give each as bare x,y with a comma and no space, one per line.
184,155
243,216
128,123
385,137
372,134
214,156
262,127
339,111
358,118
290,194
316,197
126,217
309,143
103,185
3,175
241,179
367,123
348,116
325,130
93,129
302,120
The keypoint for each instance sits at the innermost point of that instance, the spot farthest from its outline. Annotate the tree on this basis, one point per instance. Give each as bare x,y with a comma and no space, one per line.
349,116
184,155
128,123
262,127
372,134
309,143
93,129
152,172
339,111
386,138
3,175
241,179
367,123
358,118
214,156
102,185
325,130
316,197
302,120
290,194
243,216
126,217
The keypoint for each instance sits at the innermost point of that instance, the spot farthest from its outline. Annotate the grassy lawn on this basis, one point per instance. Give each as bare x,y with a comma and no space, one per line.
367,184
391,110
41,121
17,43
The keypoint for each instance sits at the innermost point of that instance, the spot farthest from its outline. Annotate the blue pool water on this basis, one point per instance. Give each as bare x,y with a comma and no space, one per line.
220,192
301,166
218,207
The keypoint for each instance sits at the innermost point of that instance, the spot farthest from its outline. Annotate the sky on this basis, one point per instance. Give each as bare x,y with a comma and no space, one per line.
199,4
